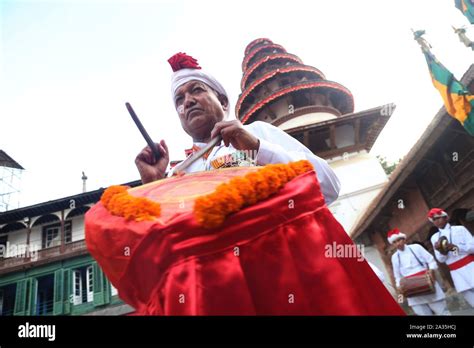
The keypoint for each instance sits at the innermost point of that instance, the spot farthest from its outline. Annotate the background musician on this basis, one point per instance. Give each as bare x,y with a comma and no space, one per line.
454,245
411,260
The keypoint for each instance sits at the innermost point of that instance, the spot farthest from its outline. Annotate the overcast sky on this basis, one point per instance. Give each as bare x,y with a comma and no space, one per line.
68,67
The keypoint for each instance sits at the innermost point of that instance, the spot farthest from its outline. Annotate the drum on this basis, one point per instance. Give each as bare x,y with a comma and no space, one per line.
267,258
418,284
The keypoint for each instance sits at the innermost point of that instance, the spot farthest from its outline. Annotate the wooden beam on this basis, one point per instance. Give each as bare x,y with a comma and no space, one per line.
332,136
63,239
28,236
306,139
357,130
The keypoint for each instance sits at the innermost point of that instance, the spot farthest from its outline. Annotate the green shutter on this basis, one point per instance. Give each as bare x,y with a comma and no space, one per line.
28,296
106,290
58,292
20,298
67,291
98,285
31,290
33,295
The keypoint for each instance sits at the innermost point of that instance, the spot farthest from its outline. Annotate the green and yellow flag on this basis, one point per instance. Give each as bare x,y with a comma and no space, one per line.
458,101
467,8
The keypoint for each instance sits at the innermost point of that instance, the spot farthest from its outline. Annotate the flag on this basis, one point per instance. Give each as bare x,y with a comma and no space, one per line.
467,8
459,103
274,257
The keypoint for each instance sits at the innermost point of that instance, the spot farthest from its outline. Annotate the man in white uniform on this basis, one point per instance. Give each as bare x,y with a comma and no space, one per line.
410,260
203,109
457,253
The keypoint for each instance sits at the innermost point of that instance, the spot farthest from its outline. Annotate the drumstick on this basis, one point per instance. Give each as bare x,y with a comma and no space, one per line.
142,130
196,155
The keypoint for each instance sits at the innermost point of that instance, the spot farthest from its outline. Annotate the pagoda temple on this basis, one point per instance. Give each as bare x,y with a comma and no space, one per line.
278,88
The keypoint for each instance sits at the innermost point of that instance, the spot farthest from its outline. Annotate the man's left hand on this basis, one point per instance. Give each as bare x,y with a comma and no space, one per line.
232,132
452,247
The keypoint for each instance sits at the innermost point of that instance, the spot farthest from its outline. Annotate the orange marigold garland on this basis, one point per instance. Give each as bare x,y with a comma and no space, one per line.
212,209
119,202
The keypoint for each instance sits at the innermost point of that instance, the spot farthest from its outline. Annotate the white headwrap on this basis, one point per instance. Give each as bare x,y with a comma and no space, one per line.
185,69
183,76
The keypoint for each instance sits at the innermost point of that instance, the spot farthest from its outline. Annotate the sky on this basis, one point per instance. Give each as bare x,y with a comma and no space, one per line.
67,67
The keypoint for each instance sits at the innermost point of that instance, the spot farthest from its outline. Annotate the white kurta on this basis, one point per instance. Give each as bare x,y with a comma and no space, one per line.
276,146
409,265
463,277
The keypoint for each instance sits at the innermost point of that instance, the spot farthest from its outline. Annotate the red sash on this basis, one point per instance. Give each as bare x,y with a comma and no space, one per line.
417,274
461,263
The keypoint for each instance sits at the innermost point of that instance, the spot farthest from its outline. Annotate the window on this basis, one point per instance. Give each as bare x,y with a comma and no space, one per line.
320,140
45,295
299,137
3,240
3,246
28,289
113,290
7,299
90,282
345,136
83,285
67,232
52,234
77,287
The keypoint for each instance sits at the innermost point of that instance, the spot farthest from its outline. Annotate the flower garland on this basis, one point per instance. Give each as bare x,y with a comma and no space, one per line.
212,209
119,202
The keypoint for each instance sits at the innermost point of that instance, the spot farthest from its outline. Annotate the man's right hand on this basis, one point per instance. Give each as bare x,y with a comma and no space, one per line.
149,169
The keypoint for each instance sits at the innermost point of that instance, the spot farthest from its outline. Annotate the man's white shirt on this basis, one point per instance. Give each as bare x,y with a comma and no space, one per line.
463,278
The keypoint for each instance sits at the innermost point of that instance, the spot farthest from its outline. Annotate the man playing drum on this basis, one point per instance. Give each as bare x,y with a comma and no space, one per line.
203,108
412,260
454,245
257,261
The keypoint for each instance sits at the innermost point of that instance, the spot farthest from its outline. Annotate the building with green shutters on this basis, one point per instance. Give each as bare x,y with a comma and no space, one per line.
45,268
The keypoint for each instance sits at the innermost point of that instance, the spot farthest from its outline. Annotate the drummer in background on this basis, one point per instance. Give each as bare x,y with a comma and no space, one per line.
457,251
409,260
203,108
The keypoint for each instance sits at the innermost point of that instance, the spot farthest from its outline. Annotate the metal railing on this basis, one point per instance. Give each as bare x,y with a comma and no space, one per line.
7,313
44,308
